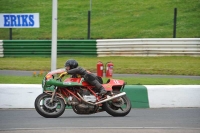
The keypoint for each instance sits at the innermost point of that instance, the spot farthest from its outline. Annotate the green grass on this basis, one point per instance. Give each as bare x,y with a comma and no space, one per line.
130,80
177,65
109,19
173,65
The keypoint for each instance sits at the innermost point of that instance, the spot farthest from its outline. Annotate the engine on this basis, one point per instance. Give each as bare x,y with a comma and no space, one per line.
90,98
82,107
87,96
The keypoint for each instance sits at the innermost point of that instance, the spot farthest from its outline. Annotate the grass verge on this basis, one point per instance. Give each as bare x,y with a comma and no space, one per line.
172,65
130,80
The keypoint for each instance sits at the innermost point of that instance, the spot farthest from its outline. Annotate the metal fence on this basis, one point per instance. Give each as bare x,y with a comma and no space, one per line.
149,47
1,48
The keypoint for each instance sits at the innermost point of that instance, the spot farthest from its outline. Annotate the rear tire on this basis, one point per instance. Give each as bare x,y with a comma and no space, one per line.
47,109
121,108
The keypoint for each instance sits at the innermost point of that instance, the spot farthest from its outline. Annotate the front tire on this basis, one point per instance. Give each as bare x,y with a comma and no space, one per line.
47,109
120,108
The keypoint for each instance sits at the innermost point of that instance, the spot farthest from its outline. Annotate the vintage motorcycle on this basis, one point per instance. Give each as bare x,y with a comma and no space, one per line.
80,96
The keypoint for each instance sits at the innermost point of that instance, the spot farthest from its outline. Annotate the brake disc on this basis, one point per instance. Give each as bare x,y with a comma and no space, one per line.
50,105
119,102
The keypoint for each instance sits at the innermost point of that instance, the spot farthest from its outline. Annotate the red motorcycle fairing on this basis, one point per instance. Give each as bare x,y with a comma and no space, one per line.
78,80
113,83
108,86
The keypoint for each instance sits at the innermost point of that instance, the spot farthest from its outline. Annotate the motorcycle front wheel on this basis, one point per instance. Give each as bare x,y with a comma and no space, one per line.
118,107
49,109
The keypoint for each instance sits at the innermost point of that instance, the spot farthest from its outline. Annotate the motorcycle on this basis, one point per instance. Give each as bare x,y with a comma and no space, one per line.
80,96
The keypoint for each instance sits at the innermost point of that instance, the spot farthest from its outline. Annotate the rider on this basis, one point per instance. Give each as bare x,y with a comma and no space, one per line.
72,68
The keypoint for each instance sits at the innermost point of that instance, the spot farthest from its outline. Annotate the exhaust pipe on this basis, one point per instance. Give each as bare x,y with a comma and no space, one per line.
84,100
111,98
105,100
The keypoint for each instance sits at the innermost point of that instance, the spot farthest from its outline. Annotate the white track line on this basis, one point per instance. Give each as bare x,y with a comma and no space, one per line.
54,128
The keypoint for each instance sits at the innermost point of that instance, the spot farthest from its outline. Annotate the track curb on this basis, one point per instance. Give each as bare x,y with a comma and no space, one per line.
141,96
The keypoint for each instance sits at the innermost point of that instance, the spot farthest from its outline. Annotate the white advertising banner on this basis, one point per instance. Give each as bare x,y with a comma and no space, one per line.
19,20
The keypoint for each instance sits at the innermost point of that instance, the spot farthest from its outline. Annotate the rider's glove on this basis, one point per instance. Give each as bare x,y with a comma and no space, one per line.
62,74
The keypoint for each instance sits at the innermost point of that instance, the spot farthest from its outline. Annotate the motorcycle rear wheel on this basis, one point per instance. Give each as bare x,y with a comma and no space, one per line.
47,109
118,109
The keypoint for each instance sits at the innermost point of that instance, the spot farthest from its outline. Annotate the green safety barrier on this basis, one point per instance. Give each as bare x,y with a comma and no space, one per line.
138,95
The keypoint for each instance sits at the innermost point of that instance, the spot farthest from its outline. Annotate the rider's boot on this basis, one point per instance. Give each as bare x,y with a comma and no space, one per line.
102,91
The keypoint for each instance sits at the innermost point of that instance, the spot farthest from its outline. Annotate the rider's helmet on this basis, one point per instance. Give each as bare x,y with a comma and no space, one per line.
71,63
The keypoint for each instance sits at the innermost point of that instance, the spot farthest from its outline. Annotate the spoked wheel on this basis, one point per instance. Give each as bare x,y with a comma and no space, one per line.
118,107
49,109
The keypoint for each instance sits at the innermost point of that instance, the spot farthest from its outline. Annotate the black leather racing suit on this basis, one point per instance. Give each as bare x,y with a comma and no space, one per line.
88,77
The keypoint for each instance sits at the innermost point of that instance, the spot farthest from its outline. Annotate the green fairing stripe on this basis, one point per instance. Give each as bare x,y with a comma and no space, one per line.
138,95
61,84
54,82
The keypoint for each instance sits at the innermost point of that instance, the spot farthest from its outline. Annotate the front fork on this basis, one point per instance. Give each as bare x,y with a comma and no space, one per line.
53,95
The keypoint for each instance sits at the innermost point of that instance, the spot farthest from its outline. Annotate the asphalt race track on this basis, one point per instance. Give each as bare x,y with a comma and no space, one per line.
165,120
